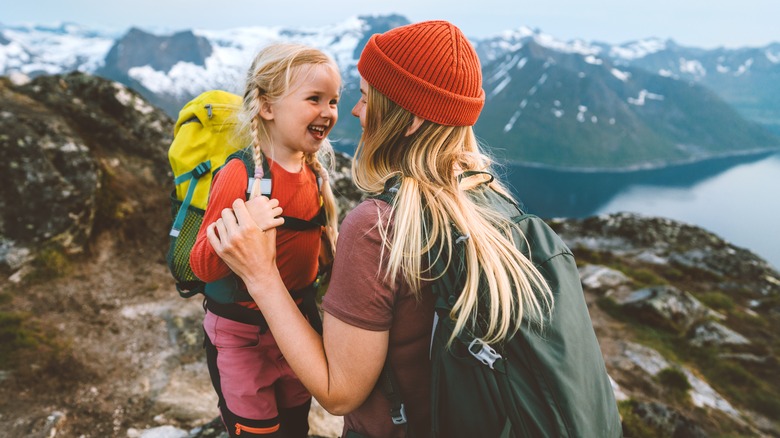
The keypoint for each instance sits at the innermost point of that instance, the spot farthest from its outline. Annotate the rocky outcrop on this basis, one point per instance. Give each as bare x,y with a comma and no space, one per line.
74,148
660,241
667,421
666,306
693,324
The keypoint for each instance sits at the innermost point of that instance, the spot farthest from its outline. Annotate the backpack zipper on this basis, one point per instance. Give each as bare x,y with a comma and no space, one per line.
255,430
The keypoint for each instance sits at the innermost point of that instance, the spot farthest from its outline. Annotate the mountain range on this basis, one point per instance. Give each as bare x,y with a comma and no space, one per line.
569,104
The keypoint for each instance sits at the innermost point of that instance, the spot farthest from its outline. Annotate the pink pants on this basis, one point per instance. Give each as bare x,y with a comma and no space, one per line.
254,377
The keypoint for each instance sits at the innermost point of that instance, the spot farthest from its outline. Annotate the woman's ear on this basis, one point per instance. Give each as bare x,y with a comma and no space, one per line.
266,109
416,123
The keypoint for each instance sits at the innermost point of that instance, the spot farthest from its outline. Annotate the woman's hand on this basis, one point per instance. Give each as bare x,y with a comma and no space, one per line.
245,237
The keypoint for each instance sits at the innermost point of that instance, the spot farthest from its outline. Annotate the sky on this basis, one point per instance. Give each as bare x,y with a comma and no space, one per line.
699,23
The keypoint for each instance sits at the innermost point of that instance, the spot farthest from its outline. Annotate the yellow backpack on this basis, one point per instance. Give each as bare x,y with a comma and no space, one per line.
204,137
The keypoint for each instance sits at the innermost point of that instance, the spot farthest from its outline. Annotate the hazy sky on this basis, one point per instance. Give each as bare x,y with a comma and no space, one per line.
730,23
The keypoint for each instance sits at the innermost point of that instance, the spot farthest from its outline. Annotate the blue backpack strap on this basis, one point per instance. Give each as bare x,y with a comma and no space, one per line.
192,176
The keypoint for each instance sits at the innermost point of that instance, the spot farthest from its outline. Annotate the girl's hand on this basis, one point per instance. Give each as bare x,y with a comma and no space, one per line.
246,246
264,211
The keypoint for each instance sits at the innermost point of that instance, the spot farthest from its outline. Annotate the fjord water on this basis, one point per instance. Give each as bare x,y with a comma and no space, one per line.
737,198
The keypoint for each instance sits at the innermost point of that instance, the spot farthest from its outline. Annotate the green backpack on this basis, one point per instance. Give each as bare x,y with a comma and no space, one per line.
204,139
548,384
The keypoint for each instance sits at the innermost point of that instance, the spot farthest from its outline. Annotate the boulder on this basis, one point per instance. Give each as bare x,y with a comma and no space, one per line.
72,145
667,421
713,333
667,307
601,278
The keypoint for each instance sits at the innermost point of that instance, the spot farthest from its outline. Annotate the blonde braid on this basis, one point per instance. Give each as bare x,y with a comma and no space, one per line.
328,198
255,132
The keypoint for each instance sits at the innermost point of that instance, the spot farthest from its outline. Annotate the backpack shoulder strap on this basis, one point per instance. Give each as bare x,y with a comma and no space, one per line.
266,184
390,191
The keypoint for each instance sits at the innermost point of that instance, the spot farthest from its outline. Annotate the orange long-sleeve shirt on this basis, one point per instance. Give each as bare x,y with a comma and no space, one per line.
296,251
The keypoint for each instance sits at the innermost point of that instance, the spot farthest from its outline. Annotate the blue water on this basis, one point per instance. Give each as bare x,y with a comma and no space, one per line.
736,198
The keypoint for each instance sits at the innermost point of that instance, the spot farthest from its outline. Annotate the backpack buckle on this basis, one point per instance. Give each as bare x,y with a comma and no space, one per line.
201,169
398,415
485,353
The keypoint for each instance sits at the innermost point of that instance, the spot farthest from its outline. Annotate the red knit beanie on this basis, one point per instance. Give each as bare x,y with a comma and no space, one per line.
428,68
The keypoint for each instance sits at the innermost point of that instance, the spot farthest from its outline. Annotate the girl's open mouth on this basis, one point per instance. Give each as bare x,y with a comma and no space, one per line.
318,131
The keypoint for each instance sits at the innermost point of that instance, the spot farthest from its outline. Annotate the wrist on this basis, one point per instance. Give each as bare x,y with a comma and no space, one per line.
263,274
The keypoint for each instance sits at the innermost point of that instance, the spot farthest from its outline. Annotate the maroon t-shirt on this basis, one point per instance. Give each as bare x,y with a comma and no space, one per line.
359,296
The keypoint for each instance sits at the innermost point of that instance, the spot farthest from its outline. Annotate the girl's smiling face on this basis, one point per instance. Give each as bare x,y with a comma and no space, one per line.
302,119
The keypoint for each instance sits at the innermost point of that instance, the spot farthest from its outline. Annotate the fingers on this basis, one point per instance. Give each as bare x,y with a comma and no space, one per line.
265,212
213,238
229,221
219,228
276,222
241,213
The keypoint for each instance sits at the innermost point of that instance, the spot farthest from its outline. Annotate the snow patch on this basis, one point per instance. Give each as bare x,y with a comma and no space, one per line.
575,46
637,49
582,109
643,96
774,58
500,86
693,67
590,59
744,67
522,63
622,75
512,120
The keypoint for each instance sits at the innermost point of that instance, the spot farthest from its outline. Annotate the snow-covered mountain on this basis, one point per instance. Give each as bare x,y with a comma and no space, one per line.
36,50
571,103
178,65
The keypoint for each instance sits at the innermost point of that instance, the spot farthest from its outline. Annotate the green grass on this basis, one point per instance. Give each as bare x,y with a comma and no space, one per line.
676,384
633,425
50,262
37,356
717,300
16,335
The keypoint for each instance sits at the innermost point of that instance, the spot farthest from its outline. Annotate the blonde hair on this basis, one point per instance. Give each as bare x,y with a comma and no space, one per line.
275,71
430,202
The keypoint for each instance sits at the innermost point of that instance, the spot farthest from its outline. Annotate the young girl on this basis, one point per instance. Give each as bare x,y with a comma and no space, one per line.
288,110
421,90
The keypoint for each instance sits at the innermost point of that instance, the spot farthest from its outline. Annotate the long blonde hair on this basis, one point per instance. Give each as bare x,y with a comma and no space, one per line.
430,202
275,71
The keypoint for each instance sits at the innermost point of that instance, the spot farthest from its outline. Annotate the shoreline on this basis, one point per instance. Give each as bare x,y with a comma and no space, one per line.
640,167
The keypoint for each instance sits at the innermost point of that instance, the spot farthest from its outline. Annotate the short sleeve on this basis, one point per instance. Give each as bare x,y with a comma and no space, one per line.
358,293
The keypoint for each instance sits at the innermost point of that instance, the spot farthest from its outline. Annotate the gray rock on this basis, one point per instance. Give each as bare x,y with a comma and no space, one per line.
712,333
63,138
601,278
667,421
656,240
638,363
667,307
